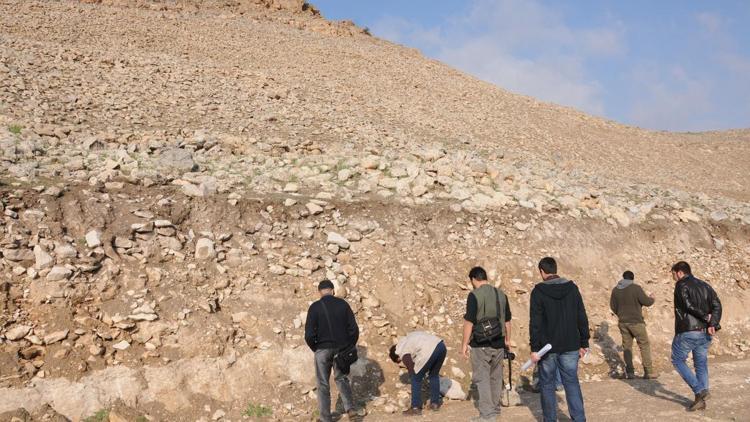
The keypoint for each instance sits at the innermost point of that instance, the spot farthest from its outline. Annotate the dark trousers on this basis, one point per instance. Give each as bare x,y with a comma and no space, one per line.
323,365
432,367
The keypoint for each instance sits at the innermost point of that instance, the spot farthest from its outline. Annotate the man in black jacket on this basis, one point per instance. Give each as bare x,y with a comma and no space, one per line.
697,314
331,327
558,318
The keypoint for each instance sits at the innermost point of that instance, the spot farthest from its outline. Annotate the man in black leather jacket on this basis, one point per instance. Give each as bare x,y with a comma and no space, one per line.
697,314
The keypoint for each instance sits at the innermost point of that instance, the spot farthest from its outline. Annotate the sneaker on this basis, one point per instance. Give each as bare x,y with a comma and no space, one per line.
435,406
413,411
630,376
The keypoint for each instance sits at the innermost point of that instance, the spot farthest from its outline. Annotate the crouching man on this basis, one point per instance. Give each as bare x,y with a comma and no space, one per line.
423,354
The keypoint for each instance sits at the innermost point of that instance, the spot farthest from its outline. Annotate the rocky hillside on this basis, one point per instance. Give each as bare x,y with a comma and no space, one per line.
175,177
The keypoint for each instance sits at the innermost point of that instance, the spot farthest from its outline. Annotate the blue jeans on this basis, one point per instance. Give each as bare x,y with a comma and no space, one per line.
567,364
432,366
697,342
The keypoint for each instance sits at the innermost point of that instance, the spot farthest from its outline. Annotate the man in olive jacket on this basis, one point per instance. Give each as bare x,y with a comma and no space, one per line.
626,302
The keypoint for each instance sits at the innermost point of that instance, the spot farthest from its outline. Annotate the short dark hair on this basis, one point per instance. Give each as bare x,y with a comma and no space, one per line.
393,355
478,273
325,284
681,266
628,275
548,265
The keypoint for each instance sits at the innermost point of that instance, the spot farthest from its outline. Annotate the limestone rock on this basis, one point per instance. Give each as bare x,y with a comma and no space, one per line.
122,345
621,217
56,336
18,255
689,216
451,389
196,191
43,259
313,208
65,251
177,159
59,273
204,249
93,239
277,269
338,240
18,332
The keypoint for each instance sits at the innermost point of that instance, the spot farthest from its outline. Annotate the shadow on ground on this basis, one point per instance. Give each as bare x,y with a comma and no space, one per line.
366,377
653,388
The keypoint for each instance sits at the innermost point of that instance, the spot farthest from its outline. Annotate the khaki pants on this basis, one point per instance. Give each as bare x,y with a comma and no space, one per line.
637,331
487,376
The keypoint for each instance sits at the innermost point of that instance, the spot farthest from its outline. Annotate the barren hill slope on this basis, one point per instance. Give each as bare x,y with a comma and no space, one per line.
176,176
132,69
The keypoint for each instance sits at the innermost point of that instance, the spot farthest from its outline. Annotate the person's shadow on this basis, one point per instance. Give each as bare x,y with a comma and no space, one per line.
609,349
366,377
653,388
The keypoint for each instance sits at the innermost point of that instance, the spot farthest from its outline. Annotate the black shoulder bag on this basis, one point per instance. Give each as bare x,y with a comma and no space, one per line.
488,328
347,355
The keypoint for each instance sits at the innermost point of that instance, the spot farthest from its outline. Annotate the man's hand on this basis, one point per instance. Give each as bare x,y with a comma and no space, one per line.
582,352
535,358
507,344
465,350
711,331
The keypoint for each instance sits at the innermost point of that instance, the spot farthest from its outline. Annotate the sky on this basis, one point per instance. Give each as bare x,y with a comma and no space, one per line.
678,65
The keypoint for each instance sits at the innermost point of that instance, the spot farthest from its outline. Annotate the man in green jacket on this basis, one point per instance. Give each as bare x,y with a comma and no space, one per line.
626,302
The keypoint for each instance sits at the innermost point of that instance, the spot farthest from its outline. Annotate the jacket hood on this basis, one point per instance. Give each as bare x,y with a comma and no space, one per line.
624,283
556,288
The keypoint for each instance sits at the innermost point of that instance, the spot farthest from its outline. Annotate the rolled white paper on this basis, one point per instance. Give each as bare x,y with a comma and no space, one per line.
540,353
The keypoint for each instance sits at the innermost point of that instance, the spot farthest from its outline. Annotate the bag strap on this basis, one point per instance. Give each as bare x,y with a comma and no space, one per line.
497,296
328,319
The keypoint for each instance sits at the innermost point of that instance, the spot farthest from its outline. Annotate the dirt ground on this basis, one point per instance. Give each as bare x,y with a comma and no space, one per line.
664,399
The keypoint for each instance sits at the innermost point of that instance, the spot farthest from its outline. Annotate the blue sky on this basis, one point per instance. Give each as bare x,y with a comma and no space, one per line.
667,65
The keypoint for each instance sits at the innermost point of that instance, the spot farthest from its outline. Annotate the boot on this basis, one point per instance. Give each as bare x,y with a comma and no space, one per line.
650,375
413,411
698,404
630,375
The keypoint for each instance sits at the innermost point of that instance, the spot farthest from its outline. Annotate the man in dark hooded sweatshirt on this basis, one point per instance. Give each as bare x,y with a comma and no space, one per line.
558,317
626,302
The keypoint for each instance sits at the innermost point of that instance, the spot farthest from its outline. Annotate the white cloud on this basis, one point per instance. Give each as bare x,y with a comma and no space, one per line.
671,99
520,45
556,79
